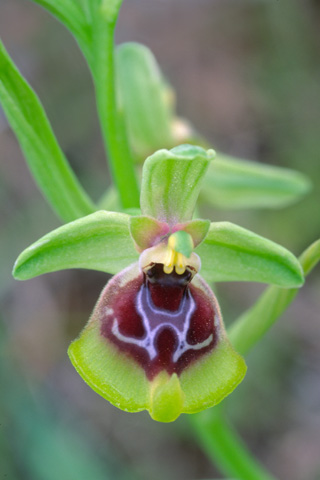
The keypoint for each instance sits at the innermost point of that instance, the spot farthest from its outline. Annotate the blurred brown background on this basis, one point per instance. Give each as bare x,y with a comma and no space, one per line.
247,75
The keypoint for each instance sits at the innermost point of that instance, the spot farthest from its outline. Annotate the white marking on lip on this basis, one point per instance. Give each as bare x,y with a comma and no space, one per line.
156,319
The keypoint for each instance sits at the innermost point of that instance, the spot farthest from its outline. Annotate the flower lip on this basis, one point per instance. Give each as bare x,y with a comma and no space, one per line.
165,323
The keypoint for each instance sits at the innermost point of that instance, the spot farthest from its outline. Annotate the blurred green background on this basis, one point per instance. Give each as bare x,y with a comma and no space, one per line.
247,75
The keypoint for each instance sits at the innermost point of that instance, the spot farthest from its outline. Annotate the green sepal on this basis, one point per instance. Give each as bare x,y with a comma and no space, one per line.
171,181
232,253
100,241
147,231
143,97
233,183
45,159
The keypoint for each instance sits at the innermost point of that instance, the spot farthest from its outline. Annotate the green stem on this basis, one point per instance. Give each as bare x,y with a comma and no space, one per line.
222,444
112,123
250,327
217,438
310,257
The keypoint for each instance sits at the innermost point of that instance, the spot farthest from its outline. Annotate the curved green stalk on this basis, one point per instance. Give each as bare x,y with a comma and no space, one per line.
112,123
310,257
222,445
252,325
218,439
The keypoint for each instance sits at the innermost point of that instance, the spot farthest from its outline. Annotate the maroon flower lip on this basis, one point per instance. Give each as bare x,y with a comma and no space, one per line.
162,321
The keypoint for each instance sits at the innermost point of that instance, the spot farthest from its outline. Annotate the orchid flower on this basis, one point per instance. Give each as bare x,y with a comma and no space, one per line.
156,339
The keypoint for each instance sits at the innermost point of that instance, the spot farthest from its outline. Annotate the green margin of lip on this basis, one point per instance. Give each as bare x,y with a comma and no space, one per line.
122,382
209,380
111,374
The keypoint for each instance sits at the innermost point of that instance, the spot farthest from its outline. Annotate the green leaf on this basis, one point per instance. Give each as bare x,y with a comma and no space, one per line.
70,13
171,180
45,159
234,183
143,98
255,322
100,241
232,253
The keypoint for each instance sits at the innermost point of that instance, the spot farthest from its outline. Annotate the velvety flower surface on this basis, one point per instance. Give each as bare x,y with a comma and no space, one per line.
156,339
159,315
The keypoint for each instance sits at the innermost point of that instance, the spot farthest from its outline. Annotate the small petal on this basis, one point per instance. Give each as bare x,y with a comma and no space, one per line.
147,231
198,230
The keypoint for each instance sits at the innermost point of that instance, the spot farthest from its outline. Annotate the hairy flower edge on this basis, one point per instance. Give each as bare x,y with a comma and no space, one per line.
198,382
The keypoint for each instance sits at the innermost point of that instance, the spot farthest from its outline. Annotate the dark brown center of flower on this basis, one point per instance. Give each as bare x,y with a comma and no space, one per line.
161,320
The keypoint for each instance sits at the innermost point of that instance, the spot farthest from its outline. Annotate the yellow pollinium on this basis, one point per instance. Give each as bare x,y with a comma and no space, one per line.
175,259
